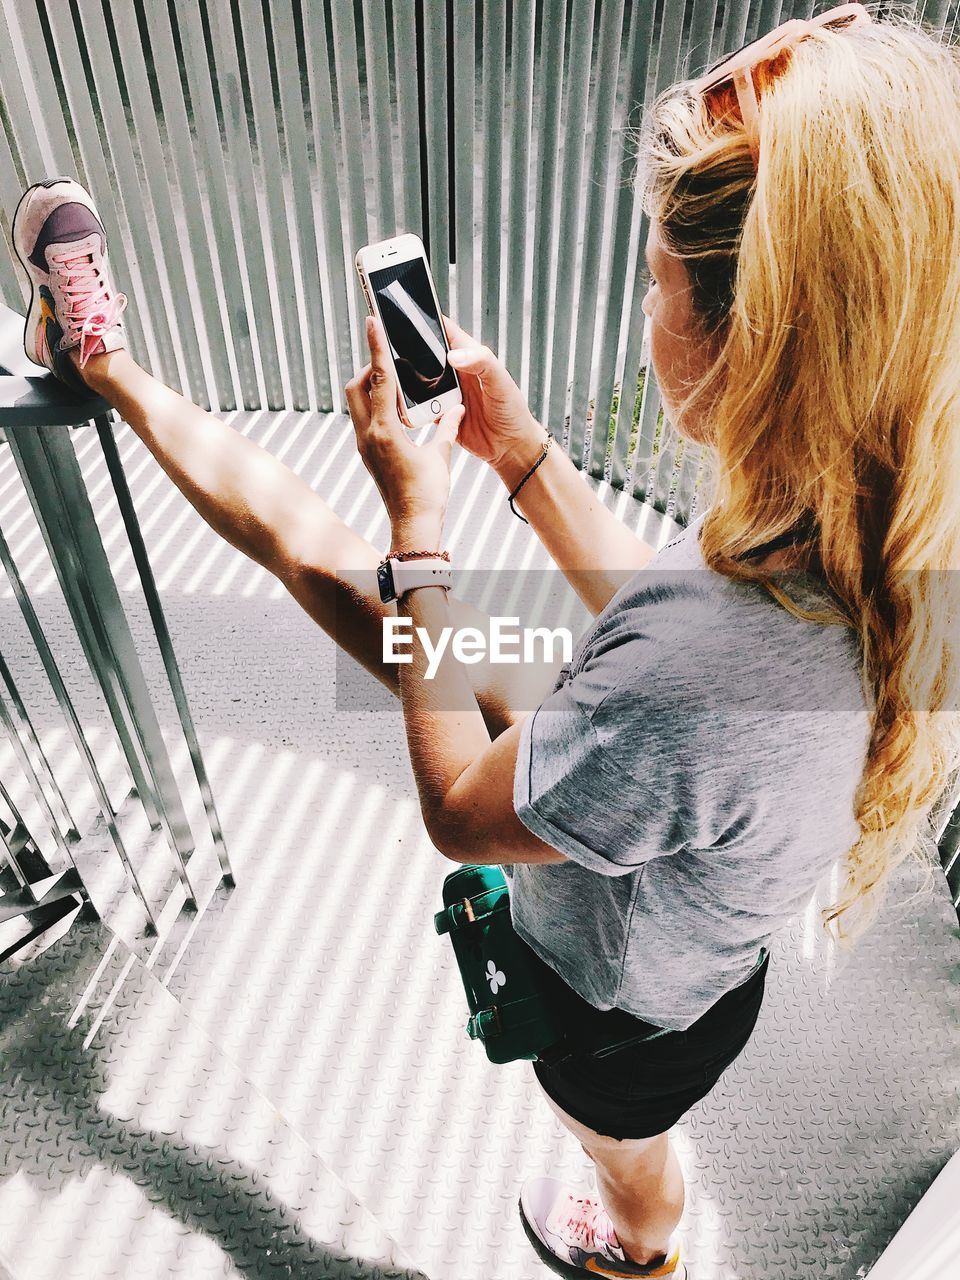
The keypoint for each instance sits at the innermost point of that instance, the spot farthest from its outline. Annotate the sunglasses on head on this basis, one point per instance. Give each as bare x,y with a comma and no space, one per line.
739,66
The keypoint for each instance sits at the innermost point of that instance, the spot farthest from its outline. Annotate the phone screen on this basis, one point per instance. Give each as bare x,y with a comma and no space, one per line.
414,330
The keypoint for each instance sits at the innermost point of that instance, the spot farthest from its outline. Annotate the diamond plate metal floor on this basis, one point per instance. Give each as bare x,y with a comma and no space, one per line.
321,978
129,1145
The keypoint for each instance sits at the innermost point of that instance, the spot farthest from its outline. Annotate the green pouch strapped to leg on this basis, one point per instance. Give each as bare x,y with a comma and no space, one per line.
519,1007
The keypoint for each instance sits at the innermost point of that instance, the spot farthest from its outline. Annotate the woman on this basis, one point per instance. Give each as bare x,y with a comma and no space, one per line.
744,712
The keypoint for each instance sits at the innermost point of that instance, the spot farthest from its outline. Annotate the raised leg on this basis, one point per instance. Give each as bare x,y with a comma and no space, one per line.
273,516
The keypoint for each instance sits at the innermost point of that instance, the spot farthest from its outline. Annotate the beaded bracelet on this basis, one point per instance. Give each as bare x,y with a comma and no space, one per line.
418,555
546,449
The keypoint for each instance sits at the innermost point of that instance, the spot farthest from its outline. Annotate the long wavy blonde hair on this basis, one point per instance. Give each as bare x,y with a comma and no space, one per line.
827,283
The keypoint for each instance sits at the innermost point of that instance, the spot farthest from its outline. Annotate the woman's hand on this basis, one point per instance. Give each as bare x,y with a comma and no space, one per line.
414,480
498,425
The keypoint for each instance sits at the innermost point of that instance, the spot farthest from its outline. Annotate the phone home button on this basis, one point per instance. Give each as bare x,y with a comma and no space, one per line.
435,406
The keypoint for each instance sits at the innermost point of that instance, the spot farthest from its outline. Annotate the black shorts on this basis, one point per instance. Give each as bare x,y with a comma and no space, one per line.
645,1088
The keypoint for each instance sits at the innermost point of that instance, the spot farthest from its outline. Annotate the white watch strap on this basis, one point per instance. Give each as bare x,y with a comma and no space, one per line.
408,574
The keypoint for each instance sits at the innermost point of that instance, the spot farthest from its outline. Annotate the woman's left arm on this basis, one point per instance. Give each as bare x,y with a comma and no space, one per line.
464,780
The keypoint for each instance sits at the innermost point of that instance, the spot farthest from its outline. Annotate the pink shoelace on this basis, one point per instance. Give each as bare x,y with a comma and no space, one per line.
591,1225
89,309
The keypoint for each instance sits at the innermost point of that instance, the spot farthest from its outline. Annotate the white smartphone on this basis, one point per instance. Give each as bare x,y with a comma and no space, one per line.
399,289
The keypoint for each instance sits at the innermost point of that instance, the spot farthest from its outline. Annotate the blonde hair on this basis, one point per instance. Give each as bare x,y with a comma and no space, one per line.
827,285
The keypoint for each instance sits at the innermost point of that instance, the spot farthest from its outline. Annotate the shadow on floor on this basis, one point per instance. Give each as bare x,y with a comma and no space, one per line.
54,1130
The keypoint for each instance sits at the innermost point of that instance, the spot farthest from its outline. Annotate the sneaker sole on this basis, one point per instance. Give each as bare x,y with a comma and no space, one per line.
562,1268
32,320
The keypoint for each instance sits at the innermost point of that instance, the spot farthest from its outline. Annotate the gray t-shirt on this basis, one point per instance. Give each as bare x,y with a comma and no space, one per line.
697,763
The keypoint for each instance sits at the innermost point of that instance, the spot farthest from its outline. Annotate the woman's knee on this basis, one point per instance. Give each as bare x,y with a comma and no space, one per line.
612,1151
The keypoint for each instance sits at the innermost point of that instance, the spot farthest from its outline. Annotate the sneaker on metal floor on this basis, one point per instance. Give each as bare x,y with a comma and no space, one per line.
575,1237
62,247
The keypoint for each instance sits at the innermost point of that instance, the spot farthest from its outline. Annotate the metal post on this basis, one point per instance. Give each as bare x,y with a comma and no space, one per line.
65,703
152,596
51,475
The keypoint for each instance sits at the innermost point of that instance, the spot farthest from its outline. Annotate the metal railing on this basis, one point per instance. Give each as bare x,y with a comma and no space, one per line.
36,416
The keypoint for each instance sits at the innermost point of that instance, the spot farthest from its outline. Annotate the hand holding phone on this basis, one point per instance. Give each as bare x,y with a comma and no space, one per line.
413,479
498,426
399,289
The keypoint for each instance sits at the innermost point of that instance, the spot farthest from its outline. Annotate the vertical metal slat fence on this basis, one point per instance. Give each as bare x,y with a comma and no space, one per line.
242,150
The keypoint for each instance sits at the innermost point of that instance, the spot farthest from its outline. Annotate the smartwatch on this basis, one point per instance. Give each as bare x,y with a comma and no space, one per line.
394,577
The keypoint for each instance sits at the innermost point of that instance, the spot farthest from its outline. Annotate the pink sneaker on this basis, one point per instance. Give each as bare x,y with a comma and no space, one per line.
575,1237
62,247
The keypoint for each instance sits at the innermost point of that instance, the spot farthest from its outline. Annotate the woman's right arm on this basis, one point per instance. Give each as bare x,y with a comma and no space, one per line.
593,548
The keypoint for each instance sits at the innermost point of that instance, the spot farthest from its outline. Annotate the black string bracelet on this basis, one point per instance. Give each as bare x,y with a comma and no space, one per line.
546,449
